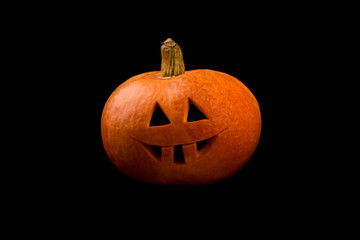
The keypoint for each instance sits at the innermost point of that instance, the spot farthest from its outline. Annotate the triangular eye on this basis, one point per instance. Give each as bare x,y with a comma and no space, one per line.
194,113
158,118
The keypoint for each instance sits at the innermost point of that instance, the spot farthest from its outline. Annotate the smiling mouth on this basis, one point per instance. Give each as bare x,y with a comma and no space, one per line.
179,154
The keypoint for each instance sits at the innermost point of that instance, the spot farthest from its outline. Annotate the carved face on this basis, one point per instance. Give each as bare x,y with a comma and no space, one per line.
178,141
199,127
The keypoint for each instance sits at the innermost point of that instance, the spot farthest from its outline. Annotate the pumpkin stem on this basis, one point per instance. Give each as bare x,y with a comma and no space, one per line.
172,62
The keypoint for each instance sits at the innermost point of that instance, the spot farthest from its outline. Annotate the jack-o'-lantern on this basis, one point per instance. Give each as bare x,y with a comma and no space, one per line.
180,127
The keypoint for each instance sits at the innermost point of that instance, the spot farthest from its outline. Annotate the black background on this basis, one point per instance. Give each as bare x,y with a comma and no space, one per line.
84,53
66,59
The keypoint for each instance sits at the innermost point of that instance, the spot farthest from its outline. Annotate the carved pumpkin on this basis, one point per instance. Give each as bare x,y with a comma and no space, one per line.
180,127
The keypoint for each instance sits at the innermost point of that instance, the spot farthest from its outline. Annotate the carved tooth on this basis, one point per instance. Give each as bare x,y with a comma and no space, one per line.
190,152
167,154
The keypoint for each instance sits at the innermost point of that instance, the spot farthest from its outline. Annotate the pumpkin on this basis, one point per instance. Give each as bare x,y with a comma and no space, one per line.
180,127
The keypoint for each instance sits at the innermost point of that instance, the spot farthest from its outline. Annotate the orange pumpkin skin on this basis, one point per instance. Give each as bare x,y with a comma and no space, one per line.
233,127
